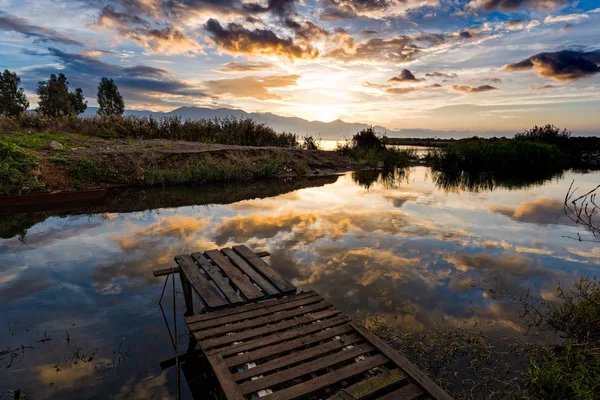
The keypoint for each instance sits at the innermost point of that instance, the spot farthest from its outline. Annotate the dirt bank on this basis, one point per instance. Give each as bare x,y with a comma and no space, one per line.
93,163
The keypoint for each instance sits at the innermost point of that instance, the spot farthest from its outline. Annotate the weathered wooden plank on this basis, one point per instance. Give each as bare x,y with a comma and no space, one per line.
262,267
279,337
235,275
266,310
304,369
218,279
303,355
412,371
342,395
209,294
257,322
229,387
251,272
164,271
305,388
288,345
269,329
168,271
248,307
376,384
408,392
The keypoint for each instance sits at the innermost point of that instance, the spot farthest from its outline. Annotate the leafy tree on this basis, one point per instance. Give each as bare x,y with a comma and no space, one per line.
56,100
12,97
109,99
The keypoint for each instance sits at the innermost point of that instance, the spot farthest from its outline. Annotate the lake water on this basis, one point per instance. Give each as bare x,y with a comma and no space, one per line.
418,249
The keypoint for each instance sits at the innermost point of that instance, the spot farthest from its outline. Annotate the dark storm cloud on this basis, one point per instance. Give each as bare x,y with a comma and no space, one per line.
111,18
465,35
39,34
234,38
512,5
137,81
281,8
472,89
405,76
561,66
145,70
369,32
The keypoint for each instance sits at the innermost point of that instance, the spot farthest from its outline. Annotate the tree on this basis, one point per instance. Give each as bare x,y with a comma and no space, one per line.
56,100
110,100
12,97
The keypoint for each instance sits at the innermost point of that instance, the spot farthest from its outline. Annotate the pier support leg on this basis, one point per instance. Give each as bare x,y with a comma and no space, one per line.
187,294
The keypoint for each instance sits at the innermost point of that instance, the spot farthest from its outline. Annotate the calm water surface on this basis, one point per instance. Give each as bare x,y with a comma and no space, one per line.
416,249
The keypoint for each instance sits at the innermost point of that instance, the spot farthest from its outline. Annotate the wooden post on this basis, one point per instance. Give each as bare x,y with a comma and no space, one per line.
187,294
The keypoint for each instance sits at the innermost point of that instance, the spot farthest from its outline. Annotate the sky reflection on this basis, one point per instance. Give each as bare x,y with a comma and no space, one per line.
417,254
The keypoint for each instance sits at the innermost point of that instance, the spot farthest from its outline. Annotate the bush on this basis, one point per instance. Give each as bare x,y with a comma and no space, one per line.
367,139
310,143
478,155
366,148
232,131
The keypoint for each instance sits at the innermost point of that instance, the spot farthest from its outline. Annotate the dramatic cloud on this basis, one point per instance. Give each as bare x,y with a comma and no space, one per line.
405,76
138,81
512,5
280,8
168,40
401,90
561,66
542,87
472,89
250,86
550,19
442,75
379,9
540,211
235,67
395,50
39,34
238,40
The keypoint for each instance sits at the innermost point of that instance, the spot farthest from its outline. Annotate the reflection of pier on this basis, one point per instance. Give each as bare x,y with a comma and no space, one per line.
259,338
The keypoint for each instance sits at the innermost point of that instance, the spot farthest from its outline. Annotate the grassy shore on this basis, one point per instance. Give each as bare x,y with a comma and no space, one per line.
563,362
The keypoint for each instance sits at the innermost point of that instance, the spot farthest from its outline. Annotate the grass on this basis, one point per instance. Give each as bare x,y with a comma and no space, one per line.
564,363
16,166
232,131
38,141
208,170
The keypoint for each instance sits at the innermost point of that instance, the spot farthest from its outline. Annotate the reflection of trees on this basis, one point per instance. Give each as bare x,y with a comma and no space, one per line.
389,179
583,209
455,181
142,199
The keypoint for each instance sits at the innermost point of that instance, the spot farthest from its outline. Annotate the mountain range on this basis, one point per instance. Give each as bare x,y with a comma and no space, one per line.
333,130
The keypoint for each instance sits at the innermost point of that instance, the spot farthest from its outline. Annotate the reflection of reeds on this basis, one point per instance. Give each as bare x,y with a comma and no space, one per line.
388,179
583,210
455,181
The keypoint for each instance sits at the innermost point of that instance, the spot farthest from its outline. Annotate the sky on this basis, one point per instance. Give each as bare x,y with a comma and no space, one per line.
477,65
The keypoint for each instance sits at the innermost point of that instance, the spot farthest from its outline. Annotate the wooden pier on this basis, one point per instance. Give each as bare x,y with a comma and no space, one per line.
262,339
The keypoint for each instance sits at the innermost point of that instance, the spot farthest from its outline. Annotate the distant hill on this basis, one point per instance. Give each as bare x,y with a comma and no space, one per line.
333,130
